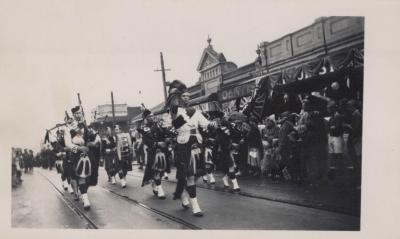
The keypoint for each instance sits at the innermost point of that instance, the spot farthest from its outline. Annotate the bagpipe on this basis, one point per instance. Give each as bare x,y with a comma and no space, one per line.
83,167
60,161
209,146
160,160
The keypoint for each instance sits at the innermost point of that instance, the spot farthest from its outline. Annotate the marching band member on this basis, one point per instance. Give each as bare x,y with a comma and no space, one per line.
153,139
81,157
110,155
63,162
186,121
211,146
94,143
124,162
228,137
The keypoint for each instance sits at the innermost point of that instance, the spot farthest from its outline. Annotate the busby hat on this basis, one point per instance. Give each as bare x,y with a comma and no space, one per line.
218,114
177,86
75,109
146,113
176,89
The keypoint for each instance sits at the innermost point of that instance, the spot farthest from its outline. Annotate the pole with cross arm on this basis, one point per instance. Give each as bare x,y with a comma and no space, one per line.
163,70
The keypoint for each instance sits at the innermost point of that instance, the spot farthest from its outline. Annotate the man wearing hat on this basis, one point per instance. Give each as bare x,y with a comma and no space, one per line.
153,138
109,147
228,139
94,145
211,146
63,162
82,167
186,121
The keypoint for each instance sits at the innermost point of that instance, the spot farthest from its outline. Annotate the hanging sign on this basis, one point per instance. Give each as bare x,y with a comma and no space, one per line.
236,92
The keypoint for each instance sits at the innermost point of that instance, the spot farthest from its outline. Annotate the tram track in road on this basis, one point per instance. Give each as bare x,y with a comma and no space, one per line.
71,205
140,209
156,211
92,225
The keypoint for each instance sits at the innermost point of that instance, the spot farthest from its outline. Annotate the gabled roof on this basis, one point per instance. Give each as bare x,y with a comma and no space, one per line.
210,53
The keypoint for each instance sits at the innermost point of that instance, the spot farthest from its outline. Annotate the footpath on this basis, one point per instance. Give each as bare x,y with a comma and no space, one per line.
325,197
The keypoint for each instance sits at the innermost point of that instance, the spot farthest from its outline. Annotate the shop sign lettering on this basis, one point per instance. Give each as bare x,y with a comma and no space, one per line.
236,92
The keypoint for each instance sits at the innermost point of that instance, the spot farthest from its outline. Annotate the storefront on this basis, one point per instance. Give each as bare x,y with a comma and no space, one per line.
206,103
235,96
344,67
338,76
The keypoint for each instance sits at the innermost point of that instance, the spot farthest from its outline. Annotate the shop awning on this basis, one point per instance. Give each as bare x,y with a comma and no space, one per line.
204,99
256,80
319,82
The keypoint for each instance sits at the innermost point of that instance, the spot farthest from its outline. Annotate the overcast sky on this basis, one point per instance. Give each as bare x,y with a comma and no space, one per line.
51,50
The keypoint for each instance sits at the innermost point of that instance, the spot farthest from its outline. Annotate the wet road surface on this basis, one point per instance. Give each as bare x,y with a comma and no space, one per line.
136,207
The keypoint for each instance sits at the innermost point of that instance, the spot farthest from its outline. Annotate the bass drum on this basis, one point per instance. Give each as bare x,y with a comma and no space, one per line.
125,151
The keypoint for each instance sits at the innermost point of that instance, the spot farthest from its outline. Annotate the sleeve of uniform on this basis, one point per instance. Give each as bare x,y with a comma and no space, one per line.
68,139
180,119
178,122
147,138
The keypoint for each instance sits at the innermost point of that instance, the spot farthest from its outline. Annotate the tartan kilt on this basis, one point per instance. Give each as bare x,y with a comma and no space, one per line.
149,172
124,163
68,170
186,164
94,163
110,160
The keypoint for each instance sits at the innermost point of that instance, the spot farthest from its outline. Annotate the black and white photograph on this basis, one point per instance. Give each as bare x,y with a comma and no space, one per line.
183,115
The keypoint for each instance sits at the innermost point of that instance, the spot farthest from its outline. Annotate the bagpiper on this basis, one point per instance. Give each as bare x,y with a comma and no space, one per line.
228,137
156,164
82,159
186,121
110,154
94,145
63,161
211,147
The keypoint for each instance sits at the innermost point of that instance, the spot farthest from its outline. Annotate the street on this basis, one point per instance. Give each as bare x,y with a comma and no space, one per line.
40,202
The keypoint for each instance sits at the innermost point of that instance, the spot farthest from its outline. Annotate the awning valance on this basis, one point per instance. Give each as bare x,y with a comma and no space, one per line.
318,82
203,99
338,61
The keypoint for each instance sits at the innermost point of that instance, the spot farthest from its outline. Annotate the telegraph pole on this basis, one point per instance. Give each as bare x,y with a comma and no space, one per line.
163,70
113,110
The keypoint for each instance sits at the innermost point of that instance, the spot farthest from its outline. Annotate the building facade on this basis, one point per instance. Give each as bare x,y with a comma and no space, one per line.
328,44
102,115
